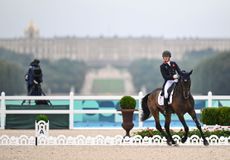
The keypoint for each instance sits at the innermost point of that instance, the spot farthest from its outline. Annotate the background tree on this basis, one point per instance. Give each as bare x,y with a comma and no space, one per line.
146,73
212,75
11,81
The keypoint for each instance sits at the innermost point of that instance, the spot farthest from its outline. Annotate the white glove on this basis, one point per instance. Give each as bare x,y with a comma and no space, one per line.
35,82
26,77
175,76
175,80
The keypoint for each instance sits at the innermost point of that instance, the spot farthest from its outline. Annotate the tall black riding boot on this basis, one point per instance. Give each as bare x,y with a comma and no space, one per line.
166,100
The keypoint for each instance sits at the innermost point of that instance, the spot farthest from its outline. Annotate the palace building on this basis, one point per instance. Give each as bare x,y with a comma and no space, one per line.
106,49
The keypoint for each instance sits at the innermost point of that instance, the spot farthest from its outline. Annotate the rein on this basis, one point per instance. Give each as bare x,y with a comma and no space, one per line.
186,96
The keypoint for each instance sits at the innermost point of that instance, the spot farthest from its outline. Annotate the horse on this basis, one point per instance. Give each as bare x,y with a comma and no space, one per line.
182,102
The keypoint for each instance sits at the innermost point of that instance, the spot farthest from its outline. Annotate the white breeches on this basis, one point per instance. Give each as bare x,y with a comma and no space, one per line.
167,85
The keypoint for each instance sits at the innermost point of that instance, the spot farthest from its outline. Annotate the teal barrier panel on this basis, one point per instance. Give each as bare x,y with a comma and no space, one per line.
78,106
27,121
90,105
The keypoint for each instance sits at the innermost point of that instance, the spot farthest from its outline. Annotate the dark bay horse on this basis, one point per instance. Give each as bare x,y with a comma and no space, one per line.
182,103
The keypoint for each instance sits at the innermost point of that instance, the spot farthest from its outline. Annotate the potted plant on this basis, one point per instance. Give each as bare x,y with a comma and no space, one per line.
42,117
42,127
127,104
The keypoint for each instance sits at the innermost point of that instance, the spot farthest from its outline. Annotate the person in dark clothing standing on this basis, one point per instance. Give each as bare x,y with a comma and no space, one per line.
170,72
34,78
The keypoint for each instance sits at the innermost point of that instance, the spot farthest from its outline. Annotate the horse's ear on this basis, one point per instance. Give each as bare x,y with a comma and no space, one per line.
190,72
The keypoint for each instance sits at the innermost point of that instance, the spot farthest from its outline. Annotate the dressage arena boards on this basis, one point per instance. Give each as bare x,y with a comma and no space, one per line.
97,137
110,152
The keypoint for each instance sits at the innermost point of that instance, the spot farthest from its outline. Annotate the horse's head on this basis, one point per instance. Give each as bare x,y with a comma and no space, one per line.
185,82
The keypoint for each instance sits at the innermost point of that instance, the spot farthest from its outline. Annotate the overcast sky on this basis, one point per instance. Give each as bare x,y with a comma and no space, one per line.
157,18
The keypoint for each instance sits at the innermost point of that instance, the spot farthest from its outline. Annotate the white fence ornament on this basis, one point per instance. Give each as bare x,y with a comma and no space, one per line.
195,140
21,140
157,139
213,139
106,140
41,128
177,138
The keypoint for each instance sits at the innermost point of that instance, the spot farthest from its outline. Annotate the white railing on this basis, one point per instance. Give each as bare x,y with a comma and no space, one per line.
71,98
42,138
82,140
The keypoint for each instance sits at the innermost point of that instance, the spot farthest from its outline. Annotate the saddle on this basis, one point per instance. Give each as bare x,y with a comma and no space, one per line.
161,99
170,93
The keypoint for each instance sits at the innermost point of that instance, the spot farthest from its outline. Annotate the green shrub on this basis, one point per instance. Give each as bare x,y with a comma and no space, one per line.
147,133
213,116
209,116
42,117
224,116
127,102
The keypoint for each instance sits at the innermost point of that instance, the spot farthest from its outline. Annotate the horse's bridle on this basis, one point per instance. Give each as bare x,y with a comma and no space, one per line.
185,90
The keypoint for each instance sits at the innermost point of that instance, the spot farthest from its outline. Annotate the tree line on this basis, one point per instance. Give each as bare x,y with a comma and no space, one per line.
213,75
210,73
58,76
10,79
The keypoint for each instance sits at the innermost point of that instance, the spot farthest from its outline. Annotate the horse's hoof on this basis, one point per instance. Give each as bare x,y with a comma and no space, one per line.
169,143
174,142
176,145
183,140
206,142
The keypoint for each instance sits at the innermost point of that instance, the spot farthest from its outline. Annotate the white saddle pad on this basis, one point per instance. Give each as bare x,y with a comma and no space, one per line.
161,98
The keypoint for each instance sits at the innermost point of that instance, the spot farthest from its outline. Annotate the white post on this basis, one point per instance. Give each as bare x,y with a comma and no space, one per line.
209,99
71,109
3,110
140,96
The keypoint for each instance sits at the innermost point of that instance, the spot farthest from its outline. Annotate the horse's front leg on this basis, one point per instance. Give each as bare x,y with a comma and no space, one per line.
193,115
186,129
158,126
167,127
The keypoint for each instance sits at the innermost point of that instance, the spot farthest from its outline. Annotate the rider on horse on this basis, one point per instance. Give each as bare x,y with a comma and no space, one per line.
183,102
169,71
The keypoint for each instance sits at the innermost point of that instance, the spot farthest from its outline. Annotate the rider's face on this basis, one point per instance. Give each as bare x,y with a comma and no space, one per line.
166,59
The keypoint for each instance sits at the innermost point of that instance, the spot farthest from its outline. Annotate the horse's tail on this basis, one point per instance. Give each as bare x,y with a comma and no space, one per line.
145,108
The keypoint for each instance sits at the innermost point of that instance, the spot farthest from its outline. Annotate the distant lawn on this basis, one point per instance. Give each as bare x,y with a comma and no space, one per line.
107,86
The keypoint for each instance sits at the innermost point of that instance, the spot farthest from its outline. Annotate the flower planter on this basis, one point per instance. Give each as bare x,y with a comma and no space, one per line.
127,116
216,127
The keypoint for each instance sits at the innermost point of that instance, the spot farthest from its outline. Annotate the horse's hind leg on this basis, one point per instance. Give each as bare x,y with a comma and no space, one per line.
193,115
158,126
186,129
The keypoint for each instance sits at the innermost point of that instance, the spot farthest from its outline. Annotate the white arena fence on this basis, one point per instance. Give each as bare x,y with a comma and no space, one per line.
137,140
71,98
107,140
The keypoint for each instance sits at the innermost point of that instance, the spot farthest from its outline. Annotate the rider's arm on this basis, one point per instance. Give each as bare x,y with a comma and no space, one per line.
30,76
41,78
